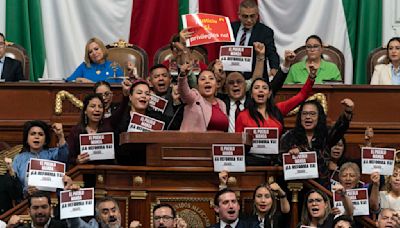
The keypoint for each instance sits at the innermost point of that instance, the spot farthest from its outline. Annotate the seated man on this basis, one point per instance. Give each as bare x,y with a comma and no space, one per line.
10,69
39,207
388,218
227,207
164,215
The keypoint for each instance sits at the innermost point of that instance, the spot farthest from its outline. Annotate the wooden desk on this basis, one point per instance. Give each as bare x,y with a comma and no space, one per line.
375,106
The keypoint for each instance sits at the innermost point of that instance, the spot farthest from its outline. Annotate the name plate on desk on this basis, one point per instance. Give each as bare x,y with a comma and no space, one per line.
377,160
75,204
46,175
142,123
229,157
301,166
99,146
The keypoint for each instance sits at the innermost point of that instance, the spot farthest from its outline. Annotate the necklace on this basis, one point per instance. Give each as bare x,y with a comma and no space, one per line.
90,130
99,68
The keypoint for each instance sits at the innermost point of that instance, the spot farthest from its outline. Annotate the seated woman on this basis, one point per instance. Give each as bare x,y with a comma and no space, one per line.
389,74
316,210
96,67
312,134
104,89
203,110
326,70
262,112
36,139
390,196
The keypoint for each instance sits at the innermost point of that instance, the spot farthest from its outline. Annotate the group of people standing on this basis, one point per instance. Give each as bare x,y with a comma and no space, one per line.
218,100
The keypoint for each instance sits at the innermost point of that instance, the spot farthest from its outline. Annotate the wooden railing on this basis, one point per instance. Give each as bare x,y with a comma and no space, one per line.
178,170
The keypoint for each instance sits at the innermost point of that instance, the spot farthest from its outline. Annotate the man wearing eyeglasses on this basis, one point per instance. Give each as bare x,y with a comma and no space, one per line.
164,216
248,30
10,69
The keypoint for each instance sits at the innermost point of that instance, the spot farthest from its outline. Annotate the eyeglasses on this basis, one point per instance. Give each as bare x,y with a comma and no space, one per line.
311,114
2,44
164,218
319,200
313,47
106,94
233,82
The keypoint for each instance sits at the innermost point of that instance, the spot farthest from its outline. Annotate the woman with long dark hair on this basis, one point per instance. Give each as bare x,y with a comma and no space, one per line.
388,74
266,211
312,134
262,112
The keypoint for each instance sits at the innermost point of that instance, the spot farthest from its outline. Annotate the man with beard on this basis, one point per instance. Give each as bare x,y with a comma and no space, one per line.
108,215
164,216
39,207
227,207
160,79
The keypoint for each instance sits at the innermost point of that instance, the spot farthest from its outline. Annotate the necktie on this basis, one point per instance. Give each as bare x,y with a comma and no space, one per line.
228,226
243,38
237,109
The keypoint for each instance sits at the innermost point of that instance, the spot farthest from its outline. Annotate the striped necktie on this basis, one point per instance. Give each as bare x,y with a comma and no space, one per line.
243,38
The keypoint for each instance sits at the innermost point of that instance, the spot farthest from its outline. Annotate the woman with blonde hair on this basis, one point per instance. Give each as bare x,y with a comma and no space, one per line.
96,67
390,196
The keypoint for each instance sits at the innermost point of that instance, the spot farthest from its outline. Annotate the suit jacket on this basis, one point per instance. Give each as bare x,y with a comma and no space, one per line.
276,85
241,224
382,75
53,224
197,111
12,70
263,34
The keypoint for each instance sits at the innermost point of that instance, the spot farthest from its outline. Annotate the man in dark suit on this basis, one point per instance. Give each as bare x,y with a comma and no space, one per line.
163,86
248,30
237,97
39,207
10,69
227,207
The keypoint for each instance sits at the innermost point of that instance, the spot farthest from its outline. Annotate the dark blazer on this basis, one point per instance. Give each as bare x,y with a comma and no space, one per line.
276,85
241,224
53,224
264,34
12,70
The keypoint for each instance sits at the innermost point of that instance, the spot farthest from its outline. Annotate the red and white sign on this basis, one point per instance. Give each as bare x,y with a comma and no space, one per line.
158,103
46,175
359,198
75,204
301,166
236,58
377,160
229,157
265,140
99,146
142,123
207,28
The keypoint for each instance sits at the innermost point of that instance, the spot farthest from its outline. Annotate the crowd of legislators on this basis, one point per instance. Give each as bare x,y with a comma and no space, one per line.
203,98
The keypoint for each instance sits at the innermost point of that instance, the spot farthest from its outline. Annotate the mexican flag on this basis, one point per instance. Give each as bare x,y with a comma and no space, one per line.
54,33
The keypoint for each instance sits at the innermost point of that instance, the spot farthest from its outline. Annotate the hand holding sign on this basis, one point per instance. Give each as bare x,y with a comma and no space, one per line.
294,151
83,158
223,177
